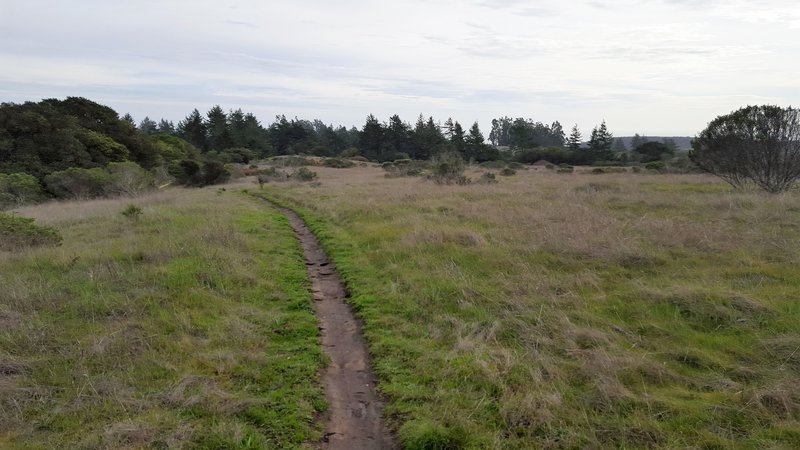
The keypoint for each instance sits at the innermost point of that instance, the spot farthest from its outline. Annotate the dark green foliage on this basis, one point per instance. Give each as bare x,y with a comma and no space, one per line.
507,172
132,212
556,155
337,163
78,183
600,143
653,151
172,148
20,232
656,166
755,144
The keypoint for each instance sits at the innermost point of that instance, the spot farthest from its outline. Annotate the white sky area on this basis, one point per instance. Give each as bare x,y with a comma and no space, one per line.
656,67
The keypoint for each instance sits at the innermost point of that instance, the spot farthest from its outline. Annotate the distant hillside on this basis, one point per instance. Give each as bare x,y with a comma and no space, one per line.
683,142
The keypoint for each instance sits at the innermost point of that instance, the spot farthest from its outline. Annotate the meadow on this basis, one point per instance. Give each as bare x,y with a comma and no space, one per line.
542,311
571,310
189,326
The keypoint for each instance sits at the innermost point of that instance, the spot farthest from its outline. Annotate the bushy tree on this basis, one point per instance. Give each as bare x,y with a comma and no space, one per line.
652,151
77,183
575,139
18,189
755,144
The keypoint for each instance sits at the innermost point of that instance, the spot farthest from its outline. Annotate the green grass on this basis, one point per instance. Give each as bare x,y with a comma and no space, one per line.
654,311
190,327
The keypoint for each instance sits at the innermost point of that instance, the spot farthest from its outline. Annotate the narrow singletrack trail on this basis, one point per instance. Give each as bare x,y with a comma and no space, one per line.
353,420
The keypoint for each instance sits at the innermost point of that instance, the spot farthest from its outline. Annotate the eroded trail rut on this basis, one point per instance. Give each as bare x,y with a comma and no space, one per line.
353,420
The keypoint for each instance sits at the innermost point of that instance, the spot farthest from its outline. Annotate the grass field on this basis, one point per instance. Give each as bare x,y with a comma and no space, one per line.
189,327
571,311
544,311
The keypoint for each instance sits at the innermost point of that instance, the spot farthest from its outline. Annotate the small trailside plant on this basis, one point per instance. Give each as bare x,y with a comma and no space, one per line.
132,212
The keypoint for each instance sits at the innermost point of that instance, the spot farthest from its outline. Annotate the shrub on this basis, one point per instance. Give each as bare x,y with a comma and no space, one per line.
403,168
303,174
487,178
337,163
568,169
656,166
132,212
507,172
18,189
448,168
128,178
19,232
79,183
214,173
598,170
515,165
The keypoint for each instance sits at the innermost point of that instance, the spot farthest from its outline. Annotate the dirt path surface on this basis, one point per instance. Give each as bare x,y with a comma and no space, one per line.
353,420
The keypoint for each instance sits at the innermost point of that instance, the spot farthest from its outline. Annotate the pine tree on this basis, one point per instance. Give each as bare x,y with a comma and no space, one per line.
601,142
575,139
219,134
193,130
148,126
166,126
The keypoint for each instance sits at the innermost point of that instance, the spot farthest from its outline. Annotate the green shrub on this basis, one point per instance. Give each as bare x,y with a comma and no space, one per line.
18,189
20,232
487,178
448,168
507,172
337,163
656,166
303,174
598,170
79,183
132,212
290,161
515,165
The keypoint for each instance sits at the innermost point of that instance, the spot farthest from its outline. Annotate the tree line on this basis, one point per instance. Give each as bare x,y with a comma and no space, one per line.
63,146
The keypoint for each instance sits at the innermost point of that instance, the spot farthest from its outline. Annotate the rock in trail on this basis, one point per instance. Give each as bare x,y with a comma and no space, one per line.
353,420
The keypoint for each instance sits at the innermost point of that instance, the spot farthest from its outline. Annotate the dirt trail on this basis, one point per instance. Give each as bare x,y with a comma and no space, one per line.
353,420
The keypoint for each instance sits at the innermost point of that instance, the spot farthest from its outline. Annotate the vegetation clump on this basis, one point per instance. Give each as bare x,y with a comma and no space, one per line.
507,172
403,168
753,145
132,212
303,174
448,168
20,232
337,163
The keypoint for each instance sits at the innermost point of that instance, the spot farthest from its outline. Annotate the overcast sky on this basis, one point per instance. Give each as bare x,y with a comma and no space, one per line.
658,67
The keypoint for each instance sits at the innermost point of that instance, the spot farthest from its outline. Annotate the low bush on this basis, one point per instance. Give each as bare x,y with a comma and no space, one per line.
448,168
656,166
132,212
337,163
20,232
487,178
507,172
493,164
404,168
303,174
290,161
79,183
